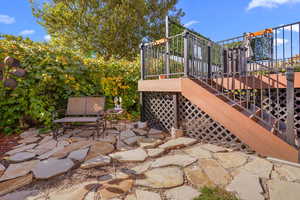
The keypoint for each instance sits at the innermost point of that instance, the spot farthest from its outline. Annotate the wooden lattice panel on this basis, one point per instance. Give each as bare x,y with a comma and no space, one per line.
276,105
159,110
199,125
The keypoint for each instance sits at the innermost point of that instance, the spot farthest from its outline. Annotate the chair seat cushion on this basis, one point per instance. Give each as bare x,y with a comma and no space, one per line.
76,119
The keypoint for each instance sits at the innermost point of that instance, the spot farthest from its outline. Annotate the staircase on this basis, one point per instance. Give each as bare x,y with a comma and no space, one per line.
241,123
242,94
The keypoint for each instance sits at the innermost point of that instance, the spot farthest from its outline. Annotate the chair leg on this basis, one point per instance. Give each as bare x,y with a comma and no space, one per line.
55,133
98,129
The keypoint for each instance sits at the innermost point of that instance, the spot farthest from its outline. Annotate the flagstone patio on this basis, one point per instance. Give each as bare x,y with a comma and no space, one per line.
136,163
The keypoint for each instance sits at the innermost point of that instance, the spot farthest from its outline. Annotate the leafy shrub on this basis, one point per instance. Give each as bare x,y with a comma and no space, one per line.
53,75
215,193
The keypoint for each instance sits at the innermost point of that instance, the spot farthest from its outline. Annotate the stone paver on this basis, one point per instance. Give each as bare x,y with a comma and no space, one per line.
182,193
142,125
153,153
2,169
72,147
52,167
178,142
140,131
23,148
78,155
131,140
111,132
136,155
39,151
19,195
127,134
164,173
29,133
17,170
13,184
131,197
46,139
259,167
231,159
214,148
108,138
21,156
177,160
19,146
29,140
282,190
141,168
247,186
77,192
50,144
288,173
198,152
146,195
167,177
216,173
50,153
98,161
148,143
86,133
121,146
115,188
153,131
197,177
157,136
100,148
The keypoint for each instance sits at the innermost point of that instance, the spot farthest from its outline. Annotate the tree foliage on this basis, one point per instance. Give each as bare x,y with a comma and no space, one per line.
106,27
53,75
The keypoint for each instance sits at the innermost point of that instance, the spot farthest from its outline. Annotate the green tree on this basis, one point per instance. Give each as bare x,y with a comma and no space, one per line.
106,27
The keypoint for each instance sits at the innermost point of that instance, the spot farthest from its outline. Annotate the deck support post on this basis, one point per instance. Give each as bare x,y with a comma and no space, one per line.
142,107
225,61
209,61
175,106
167,48
142,45
186,53
290,132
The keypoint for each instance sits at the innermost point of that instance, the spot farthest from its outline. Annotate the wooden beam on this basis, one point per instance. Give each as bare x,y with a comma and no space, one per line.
163,85
250,82
251,133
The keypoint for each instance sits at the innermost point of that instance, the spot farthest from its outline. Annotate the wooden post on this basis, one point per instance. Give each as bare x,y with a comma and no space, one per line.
209,61
225,61
142,115
167,48
290,132
142,61
175,103
186,53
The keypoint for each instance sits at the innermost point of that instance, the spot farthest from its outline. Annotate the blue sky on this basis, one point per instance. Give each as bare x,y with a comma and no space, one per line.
216,19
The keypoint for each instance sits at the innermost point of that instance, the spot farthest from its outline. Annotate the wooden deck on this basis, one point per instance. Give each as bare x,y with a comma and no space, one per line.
251,82
247,130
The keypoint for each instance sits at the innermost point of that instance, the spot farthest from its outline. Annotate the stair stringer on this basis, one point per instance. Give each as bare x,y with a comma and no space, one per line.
247,130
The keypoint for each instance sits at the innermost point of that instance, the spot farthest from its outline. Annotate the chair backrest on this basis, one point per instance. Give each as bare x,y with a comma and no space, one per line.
85,105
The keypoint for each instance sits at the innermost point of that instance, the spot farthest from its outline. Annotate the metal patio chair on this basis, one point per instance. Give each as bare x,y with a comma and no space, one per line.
82,111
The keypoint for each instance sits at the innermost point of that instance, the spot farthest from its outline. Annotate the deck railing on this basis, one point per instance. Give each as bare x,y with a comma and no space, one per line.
245,71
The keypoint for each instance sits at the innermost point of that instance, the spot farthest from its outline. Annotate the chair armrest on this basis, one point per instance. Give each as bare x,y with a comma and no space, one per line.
56,112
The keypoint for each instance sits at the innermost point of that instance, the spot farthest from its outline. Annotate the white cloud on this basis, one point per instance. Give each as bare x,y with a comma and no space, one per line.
280,41
268,3
27,32
47,38
294,28
5,19
190,23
